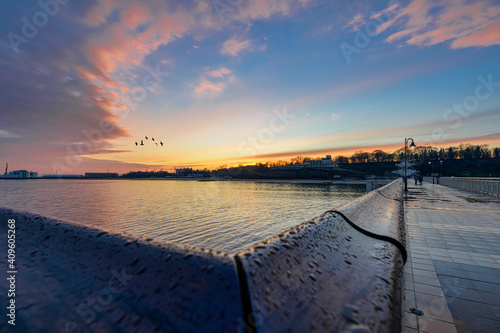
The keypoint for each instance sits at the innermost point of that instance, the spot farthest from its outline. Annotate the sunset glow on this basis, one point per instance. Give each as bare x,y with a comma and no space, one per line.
229,82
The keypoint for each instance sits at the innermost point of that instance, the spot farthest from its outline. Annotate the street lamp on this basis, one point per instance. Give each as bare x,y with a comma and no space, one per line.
412,145
432,165
441,171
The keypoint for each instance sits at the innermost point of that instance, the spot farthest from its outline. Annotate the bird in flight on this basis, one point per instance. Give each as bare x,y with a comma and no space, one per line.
152,139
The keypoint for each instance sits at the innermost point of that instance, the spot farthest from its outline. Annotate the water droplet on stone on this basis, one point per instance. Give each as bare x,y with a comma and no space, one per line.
359,329
351,313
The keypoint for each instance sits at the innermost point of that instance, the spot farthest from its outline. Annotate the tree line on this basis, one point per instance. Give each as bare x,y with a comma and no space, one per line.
424,153
419,153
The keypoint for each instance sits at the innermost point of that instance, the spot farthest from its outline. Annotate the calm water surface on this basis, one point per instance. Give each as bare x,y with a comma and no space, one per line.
221,215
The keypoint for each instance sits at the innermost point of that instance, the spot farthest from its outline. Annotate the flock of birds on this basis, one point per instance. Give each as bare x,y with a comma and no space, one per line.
152,139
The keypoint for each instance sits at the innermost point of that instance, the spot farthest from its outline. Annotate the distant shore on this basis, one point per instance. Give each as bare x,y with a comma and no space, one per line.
302,181
290,181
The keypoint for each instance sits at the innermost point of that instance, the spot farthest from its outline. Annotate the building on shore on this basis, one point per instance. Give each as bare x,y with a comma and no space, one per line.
21,174
325,162
195,175
101,175
183,171
62,176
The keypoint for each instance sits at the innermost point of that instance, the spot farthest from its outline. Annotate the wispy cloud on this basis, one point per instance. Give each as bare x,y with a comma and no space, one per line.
213,83
220,72
355,23
463,23
486,35
135,16
206,88
235,46
7,134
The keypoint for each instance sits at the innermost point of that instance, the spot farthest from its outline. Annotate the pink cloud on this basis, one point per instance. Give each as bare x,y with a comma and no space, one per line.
464,23
490,35
415,12
135,16
356,22
220,72
215,86
400,34
98,14
334,116
117,47
234,46
206,88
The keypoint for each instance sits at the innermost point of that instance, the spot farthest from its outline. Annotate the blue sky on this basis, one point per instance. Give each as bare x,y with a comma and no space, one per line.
228,82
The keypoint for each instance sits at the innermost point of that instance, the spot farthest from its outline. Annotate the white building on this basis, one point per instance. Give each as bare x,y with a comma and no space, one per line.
21,174
325,162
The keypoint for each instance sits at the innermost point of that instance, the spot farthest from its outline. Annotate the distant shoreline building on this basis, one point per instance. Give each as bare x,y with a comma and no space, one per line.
195,175
183,171
325,162
21,174
101,175
62,176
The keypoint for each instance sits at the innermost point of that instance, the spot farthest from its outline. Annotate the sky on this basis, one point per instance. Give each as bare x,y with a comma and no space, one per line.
240,81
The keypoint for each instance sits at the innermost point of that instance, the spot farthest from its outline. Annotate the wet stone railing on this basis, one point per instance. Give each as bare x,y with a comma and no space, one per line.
340,272
373,183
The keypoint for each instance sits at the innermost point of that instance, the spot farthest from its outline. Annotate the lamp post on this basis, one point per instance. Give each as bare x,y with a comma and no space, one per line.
441,161
432,165
412,145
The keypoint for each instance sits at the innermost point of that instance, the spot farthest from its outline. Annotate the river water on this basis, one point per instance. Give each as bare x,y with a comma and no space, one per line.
220,215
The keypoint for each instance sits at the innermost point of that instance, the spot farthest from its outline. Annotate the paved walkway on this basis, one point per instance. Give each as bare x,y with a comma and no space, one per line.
453,270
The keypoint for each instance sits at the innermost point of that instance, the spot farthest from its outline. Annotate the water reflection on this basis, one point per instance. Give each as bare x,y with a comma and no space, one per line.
225,216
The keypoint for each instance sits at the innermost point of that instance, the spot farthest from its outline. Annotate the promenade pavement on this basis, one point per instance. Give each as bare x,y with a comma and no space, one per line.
453,268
